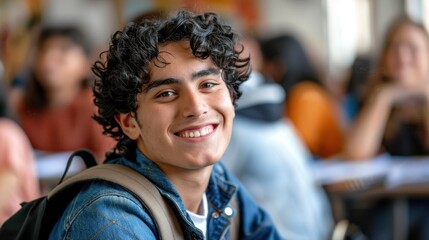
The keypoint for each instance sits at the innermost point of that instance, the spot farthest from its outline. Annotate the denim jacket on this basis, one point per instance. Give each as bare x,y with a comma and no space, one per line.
106,211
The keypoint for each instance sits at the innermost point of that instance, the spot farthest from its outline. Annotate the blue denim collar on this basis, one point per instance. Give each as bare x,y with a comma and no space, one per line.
219,191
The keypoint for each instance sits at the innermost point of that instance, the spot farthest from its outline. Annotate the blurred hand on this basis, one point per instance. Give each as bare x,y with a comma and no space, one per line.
396,93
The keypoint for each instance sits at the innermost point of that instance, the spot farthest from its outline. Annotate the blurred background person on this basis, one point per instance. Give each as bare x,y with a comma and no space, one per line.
394,119
354,86
18,180
395,115
271,161
55,107
309,106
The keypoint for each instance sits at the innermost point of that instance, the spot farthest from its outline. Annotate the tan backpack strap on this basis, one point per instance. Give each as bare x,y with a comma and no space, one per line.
234,230
164,216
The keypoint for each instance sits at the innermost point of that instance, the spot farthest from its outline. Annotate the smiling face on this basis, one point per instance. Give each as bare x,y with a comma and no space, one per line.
185,114
407,57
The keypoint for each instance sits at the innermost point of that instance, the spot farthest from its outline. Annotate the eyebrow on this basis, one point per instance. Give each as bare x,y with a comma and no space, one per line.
161,82
194,76
205,72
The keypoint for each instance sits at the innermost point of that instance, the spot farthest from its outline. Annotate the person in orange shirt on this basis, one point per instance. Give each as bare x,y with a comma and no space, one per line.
55,109
308,105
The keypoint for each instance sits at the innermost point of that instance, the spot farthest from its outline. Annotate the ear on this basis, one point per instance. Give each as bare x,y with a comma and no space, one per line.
128,124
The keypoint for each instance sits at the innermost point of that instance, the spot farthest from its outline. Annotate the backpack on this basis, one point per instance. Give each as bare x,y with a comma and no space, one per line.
36,219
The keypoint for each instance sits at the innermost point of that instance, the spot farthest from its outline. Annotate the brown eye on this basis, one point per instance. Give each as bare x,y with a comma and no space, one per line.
209,85
165,94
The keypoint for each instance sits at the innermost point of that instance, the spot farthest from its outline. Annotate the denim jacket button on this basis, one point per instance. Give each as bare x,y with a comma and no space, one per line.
215,215
228,211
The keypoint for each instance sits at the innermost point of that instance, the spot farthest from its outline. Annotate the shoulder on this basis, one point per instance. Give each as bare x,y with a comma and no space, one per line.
11,134
9,127
14,144
309,98
105,210
309,90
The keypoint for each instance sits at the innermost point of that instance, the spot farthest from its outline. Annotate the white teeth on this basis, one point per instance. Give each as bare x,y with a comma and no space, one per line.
198,133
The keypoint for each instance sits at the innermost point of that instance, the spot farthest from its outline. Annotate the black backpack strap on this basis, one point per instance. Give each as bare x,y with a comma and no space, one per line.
164,216
86,156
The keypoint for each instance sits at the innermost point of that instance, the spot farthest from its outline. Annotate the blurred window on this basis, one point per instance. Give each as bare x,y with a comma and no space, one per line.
418,10
349,31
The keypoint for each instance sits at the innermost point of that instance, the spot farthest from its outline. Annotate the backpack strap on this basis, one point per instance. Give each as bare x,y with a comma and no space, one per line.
164,217
87,157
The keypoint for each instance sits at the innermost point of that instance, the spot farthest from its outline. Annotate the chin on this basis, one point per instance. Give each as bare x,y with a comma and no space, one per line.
197,164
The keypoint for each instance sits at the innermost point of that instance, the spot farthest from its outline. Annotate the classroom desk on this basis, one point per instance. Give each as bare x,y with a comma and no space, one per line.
398,195
384,177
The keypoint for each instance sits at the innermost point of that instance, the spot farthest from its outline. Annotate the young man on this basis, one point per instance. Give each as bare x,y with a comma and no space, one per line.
166,92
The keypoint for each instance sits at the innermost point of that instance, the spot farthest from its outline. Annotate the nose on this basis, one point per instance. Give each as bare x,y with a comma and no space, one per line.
193,104
49,59
404,54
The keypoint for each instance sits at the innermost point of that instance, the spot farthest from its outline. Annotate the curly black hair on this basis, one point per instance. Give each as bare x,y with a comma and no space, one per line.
125,72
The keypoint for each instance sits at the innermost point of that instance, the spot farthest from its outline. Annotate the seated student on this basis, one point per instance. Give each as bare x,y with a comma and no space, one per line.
18,181
309,106
271,161
394,119
56,106
166,91
269,158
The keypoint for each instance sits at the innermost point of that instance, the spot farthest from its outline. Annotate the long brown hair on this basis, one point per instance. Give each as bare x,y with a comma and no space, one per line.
380,76
380,72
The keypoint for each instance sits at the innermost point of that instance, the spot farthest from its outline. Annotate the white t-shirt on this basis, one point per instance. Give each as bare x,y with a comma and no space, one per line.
200,219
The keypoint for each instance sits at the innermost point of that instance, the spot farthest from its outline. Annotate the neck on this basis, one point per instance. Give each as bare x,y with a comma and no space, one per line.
191,186
61,97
